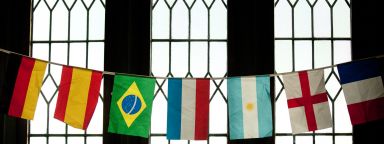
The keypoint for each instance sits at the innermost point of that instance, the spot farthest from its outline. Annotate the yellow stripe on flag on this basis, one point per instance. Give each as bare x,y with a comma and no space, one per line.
78,97
34,86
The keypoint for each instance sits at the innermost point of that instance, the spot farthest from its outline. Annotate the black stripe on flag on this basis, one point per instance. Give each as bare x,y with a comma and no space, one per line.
10,64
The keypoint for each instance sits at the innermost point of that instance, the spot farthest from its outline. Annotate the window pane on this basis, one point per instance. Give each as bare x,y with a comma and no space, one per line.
196,48
176,142
179,21
160,140
297,51
199,21
38,140
55,25
302,19
283,56
218,19
57,140
314,46
323,140
303,139
218,140
284,140
199,58
179,63
322,19
75,140
303,55
95,140
344,139
283,21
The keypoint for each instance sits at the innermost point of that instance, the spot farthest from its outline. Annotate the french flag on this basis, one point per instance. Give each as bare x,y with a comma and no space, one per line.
188,109
362,83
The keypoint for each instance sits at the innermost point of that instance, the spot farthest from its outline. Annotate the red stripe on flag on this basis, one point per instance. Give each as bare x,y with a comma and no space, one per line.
366,111
93,96
21,87
297,102
64,88
308,105
202,109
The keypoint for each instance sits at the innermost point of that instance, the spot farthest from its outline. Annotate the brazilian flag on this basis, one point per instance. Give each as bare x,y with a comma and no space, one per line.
131,105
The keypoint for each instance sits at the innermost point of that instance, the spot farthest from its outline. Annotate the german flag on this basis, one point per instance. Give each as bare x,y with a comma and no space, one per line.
24,78
78,96
4,100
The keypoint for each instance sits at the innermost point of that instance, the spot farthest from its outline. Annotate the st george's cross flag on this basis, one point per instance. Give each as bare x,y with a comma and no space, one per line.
250,110
78,96
307,101
131,105
188,109
362,83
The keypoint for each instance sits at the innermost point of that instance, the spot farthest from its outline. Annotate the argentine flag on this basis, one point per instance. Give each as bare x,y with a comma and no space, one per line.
250,111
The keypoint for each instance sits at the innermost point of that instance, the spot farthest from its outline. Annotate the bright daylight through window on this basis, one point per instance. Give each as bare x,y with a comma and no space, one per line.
189,39
68,32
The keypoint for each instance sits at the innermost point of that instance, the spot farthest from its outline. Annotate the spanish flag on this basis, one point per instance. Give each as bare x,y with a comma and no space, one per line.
26,86
78,96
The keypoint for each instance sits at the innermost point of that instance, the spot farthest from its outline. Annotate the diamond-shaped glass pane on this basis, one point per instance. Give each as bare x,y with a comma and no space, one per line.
48,88
332,86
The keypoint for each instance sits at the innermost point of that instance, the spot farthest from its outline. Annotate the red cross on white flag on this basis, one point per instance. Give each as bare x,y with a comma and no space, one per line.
307,101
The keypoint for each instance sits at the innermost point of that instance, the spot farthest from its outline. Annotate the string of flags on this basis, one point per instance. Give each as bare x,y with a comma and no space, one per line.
249,100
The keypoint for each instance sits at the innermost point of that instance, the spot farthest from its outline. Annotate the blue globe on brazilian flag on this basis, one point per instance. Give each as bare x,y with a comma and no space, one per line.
131,105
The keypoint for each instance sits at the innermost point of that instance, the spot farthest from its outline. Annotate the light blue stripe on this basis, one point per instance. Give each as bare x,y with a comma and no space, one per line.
174,108
235,107
264,106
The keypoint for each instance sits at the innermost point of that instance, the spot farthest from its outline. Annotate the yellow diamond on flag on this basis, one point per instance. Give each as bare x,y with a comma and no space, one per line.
131,104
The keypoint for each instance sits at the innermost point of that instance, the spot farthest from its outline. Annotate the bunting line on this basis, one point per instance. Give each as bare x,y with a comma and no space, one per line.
211,78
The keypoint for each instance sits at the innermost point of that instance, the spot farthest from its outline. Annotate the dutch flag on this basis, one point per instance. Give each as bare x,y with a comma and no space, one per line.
188,109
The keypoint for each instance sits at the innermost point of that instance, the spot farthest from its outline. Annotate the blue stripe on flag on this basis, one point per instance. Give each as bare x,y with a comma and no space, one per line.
358,70
174,108
235,108
264,106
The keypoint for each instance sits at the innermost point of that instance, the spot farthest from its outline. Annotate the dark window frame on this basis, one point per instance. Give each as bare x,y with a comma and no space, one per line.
293,39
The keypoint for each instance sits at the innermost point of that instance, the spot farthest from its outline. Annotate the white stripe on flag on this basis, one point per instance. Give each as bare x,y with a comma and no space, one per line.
188,108
363,90
249,99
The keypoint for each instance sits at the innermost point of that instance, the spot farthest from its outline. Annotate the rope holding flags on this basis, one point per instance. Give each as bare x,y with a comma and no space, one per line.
158,77
250,110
